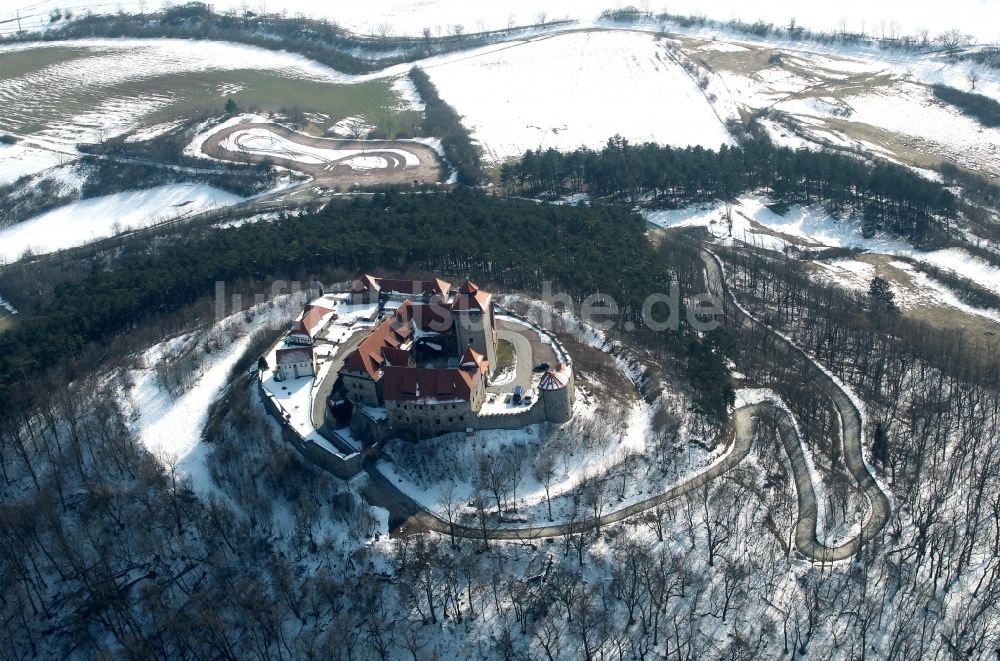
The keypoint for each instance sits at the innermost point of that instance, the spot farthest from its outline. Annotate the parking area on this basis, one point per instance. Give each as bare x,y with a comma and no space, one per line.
531,352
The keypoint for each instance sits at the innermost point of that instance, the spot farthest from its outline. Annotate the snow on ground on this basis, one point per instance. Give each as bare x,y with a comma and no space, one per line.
295,396
5,304
20,160
913,112
408,93
101,68
208,129
264,142
352,127
428,481
112,117
751,396
928,291
809,228
577,89
154,131
81,222
170,427
410,17
848,273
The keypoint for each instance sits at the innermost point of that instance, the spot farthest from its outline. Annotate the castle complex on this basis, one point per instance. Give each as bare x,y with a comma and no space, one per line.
419,358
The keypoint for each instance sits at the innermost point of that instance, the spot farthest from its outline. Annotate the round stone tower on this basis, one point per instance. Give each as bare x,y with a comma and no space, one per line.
558,393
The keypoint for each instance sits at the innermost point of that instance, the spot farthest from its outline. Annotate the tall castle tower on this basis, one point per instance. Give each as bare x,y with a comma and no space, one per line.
475,321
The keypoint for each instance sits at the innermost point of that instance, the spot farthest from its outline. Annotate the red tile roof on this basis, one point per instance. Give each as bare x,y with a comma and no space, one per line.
364,283
472,360
406,384
555,379
429,317
396,357
471,297
309,324
415,287
368,357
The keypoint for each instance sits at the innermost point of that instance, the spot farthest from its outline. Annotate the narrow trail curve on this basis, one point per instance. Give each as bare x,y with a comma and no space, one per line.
852,432
417,519
409,517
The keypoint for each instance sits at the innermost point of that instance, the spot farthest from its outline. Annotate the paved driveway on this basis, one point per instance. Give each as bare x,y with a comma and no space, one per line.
326,387
523,362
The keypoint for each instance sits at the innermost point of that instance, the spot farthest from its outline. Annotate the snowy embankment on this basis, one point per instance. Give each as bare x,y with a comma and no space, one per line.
20,160
170,426
812,228
621,460
577,89
82,222
6,305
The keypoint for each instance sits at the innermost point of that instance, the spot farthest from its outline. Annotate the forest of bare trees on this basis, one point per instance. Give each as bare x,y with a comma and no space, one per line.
104,550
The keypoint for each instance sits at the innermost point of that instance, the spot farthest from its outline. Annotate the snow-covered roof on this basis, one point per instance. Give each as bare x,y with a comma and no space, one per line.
296,355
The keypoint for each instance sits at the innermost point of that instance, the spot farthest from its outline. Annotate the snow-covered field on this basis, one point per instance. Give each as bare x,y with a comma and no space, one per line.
81,222
410,17
913,114
577,89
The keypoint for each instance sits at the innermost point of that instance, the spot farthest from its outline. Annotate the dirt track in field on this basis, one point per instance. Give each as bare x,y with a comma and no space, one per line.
336,173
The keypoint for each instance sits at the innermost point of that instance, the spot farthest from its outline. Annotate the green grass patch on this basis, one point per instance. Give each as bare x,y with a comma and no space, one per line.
23,62
375,100
190,94
505,356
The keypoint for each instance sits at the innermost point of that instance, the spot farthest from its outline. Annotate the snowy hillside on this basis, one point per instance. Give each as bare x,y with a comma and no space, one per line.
81,222
20,160
576,90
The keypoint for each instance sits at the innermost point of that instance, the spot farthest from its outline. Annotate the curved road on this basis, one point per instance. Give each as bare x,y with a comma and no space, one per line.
411,517
336,172
852,432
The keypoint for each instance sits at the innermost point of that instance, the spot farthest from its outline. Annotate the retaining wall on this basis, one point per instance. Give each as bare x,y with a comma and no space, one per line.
344,466
533,415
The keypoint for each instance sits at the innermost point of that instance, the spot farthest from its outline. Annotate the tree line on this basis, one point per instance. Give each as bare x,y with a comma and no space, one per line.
888,196
983,108
582,250
442,120
320,40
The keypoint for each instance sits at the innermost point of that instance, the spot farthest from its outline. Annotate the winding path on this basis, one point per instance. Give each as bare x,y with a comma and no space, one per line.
410,517
334,172
852,433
